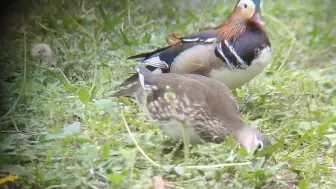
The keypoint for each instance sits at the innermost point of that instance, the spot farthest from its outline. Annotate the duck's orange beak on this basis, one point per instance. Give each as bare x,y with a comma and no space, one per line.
257,20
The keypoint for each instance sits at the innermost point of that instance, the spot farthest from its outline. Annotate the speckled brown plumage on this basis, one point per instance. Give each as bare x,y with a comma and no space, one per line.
204,104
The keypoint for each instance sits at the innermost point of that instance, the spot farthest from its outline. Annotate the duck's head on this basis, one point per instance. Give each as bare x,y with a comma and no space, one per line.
250,10
253,140
246,13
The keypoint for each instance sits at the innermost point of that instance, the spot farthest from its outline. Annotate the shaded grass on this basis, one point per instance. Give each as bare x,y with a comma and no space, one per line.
71,134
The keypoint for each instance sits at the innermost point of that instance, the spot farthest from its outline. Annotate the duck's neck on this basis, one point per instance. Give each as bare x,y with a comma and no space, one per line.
242,136
231,29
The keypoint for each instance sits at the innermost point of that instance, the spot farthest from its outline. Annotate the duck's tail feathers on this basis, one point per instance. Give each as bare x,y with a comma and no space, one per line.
130,85
147,55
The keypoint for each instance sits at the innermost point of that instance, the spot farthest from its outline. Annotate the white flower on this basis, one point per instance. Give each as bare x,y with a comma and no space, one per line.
41,49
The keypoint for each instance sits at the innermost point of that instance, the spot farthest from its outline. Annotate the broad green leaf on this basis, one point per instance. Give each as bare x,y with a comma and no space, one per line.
106,72
71,128
275,168
83,139
116,179
108,106
53,136
272,148
84,96
66,131
105,151
303,184
15,169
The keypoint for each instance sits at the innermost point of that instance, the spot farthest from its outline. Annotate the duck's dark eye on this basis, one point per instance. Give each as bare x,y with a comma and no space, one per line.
245,6
260,146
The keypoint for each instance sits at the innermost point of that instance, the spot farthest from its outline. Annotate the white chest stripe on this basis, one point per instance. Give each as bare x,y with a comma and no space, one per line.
240,61
220,50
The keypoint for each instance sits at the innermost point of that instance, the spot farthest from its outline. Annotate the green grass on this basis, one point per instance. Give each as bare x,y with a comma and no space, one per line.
60,129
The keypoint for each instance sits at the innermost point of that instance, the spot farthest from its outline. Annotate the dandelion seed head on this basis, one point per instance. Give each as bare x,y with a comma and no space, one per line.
41,49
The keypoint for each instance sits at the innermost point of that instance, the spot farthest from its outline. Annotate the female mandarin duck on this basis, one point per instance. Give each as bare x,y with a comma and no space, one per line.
233,53
207,106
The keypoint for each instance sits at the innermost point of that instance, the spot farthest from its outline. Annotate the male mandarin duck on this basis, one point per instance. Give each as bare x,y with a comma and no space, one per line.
233,53
206,105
